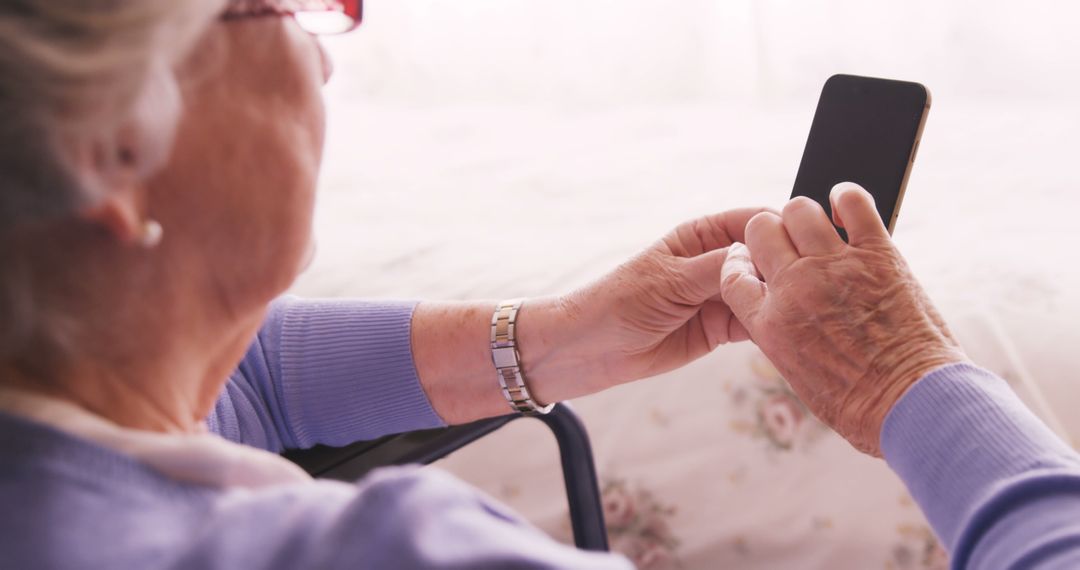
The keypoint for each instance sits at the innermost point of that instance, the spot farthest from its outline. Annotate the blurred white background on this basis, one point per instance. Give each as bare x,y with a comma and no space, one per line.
487,148
552,138
604,52
495,148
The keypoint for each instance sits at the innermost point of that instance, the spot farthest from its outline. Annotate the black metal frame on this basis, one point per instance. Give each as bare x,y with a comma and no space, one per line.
352,462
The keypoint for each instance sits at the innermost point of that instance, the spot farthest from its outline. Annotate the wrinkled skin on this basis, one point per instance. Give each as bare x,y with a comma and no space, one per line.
654,313
847,325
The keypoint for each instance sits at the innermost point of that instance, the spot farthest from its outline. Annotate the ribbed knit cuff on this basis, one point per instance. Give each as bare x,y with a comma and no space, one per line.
347,371
957,437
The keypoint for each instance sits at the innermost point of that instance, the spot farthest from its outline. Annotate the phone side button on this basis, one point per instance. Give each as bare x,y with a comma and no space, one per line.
915,150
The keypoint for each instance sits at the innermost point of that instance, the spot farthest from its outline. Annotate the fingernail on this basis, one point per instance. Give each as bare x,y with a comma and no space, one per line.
842,187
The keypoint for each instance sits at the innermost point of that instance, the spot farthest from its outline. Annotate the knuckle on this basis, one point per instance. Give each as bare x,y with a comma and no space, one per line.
883,244
684,291
797,205
665,278
759,223
730,279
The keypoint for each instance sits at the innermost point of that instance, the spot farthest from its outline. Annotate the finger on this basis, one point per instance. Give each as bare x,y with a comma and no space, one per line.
736,330
810,229
770,244
719,297
702,276
743,292
735,222
720,325
710,232
854,210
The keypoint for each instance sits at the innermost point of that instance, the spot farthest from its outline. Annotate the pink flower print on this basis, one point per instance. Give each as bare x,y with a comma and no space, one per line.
781,416
620,508
655,523
638,527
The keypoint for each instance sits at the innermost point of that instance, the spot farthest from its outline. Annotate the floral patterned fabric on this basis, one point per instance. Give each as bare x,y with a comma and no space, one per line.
719,465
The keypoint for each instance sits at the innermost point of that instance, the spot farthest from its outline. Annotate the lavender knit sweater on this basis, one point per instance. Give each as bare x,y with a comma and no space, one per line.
998,487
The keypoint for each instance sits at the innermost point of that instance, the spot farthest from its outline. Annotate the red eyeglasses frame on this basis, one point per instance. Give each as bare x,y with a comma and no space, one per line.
353,10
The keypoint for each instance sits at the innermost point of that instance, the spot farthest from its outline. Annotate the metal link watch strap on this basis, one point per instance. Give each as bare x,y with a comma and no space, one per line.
507,359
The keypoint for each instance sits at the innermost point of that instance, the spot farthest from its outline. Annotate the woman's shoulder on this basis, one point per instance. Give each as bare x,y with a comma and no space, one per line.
36,454
68,500
71,503
396,517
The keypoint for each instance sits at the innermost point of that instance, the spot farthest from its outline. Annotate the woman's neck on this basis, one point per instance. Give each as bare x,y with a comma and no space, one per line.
168,389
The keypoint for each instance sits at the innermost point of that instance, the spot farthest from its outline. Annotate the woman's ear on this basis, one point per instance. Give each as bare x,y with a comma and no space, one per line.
115,167
119,216
110,168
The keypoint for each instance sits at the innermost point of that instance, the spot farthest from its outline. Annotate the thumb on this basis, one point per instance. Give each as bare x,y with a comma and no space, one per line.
854,209
740,286
702,273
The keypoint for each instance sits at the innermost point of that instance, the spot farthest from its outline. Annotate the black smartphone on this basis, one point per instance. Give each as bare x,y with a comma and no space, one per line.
865,130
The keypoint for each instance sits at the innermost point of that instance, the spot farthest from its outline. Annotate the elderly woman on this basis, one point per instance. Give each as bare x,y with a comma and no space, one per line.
157,172
158,163
876,362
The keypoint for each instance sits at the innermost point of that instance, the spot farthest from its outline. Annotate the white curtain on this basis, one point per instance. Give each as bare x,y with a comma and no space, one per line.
604,52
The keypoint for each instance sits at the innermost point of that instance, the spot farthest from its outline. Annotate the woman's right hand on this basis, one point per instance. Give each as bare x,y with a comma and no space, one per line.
846,324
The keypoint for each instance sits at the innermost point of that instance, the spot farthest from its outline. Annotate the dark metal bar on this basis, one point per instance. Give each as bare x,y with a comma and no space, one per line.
579,474
352,462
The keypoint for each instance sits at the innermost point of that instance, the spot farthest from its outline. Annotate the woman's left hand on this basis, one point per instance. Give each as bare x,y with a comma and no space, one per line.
656,312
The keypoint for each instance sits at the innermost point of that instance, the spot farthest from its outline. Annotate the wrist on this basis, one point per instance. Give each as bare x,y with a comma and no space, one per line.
550,338
882,395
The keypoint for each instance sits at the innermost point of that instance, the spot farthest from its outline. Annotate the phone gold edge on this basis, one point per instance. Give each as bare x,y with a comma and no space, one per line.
910,161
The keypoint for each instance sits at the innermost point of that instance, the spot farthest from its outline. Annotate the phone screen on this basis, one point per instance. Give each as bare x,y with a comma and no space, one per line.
865,130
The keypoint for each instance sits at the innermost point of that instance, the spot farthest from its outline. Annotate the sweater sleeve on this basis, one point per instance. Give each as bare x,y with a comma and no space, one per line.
325,372
999,488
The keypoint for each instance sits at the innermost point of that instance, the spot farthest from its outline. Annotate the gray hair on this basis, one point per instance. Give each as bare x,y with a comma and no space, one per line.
73,71
76,74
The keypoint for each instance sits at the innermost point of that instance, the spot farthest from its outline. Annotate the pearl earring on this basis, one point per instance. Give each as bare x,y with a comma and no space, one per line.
151,234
